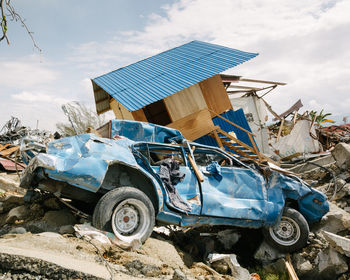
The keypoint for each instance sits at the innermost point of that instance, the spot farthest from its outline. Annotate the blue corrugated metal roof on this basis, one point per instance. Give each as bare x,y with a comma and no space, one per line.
159,76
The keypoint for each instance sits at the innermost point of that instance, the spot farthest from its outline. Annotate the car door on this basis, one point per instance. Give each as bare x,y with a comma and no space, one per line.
188,188
230,189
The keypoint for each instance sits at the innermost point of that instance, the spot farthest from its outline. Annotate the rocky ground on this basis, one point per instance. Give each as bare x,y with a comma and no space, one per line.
38,241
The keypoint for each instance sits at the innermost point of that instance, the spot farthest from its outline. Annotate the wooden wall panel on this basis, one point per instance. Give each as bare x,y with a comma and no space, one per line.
120,111
139,115
185,102
195,125
215,94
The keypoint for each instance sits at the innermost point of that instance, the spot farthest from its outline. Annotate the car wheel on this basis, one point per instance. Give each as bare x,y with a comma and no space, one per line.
126,211
290,234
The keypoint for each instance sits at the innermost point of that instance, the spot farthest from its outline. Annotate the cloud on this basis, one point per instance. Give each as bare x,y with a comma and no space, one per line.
39,97
26,72
303,43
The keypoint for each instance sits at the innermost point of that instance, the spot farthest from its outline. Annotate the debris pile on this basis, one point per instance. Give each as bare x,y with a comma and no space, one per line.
12,135
332,135
175,253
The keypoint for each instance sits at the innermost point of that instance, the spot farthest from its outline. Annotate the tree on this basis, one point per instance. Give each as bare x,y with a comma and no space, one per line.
8,13
81,119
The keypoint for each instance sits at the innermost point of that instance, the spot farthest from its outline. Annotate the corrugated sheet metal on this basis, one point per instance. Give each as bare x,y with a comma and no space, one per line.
236,117
159,76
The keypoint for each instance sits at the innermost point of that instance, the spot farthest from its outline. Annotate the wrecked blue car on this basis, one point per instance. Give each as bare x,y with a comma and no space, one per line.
145,174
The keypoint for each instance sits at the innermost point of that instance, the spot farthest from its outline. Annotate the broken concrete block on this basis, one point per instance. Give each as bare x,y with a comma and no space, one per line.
228,238
341,153
136,267
18,230
165,251
341,244
59,218
335,221
310,165
52,203
302,265
9,202
266,253
17,213
237,271
67,229
331,264
343,189
8,185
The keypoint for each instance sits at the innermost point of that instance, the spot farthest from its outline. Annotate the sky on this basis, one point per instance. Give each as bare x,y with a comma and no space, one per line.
303,43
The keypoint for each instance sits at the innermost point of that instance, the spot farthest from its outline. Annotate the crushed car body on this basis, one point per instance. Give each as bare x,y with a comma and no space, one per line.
149,174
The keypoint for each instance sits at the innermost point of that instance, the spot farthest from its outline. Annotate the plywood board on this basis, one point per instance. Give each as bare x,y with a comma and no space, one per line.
195,125
139,115
215,95
120,111
185,102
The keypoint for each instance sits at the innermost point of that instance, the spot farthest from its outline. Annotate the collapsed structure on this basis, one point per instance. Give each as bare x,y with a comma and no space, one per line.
181,88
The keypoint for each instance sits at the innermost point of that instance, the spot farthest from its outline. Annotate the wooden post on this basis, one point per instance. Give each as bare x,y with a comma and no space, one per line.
290,268
195,169
280,131
217,138
254,146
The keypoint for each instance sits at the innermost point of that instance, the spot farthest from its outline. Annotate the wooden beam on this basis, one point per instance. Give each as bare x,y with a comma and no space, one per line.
262,82
255,148
245,87
236,125
9,151
217,138
238,151
3,147
196,169
290,268
234,139
280,131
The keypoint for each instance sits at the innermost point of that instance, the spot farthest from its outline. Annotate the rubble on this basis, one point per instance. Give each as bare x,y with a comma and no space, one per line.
341,153
330,264
332,135
267,254
341,244
13,132
225,264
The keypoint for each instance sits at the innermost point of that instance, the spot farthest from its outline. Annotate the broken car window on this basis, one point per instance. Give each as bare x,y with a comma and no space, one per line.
156,154
204,157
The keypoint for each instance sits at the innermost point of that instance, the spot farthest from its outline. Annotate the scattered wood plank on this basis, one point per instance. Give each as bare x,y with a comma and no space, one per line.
290,269
280,131
196,169
9,151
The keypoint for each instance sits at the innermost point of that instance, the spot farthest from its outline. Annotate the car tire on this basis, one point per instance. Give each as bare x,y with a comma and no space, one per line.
291,234
127,212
